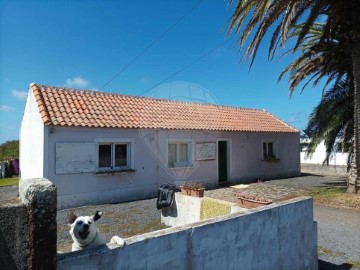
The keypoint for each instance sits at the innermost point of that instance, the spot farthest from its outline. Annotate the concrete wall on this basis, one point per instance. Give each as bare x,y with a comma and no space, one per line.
279,236
32,141
324,169
150,162
187,209
337,159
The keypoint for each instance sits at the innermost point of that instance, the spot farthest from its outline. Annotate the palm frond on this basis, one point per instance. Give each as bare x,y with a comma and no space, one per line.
331,121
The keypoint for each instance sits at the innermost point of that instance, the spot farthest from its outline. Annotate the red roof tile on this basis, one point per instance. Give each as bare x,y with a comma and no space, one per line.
70,107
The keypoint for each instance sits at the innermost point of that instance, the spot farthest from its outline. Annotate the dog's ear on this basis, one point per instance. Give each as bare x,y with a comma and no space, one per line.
72,217
97,215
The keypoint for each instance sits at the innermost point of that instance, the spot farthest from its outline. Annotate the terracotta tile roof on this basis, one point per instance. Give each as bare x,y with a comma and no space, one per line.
82,108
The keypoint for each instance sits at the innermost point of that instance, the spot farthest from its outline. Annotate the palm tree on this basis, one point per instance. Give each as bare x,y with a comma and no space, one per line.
332,121
341,20
318,59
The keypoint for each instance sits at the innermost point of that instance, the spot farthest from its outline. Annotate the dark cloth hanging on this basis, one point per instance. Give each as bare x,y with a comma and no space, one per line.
166,193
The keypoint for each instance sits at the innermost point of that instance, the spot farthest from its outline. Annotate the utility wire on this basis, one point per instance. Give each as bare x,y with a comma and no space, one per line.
185,67
152,43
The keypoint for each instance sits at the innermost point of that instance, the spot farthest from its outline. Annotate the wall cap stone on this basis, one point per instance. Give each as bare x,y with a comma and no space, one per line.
40,190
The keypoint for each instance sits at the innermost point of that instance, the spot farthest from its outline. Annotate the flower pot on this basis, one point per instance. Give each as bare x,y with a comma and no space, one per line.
199,192
185,191
252,202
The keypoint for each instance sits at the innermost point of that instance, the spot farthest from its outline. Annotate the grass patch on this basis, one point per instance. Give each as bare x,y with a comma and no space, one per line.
136,227
336,197
325,251
355,264
326,193
12,181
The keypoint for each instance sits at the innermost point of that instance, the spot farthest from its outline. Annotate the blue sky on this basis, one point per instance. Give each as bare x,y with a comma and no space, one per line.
83,44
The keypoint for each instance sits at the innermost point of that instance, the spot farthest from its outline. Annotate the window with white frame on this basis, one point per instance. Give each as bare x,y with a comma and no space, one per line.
179,154
269,150
114,155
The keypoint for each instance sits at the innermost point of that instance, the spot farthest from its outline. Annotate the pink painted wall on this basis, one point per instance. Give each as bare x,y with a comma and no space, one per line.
150,163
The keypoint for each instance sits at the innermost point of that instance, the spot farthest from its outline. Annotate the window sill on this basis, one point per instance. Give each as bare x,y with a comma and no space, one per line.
114,172
181,167
271,160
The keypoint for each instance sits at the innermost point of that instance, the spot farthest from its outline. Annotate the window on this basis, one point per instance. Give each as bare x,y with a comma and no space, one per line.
114,155
268,150
179,154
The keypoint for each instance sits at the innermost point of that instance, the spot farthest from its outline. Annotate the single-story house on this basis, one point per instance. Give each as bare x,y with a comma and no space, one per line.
103,147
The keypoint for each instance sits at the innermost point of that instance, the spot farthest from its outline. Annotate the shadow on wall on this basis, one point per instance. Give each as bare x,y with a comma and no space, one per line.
6,257
330,266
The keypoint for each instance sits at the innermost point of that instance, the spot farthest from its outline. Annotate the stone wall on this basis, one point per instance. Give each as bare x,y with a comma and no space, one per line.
278,236
28,227
14,232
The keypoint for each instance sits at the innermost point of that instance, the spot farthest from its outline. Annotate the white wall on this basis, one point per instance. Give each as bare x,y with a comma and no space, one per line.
245,163
278,236
338,159
188,209
31,141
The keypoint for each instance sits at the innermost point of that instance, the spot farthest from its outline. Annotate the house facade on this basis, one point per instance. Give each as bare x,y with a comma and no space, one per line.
103,148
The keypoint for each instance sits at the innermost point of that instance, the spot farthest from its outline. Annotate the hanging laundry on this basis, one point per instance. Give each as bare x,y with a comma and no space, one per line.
166,193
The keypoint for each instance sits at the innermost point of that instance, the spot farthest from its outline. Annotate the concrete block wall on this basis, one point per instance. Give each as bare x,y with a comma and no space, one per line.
187,209
184,210
278,236
324,169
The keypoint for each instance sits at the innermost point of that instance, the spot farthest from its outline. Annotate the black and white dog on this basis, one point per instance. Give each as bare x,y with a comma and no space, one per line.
85,234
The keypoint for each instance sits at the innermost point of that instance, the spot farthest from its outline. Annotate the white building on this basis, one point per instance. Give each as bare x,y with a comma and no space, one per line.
314,162
101,147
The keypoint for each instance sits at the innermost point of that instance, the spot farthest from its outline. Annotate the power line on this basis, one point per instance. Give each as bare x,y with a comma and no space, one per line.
185,67
152,44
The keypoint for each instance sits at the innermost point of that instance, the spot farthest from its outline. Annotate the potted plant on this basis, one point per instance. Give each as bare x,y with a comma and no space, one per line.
193,189
251,201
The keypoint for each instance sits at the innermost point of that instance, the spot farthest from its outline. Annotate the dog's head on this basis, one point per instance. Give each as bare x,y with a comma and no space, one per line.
83,229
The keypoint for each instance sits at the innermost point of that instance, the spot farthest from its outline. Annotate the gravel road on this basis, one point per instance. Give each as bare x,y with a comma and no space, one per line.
338,229
338,237
308,181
